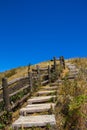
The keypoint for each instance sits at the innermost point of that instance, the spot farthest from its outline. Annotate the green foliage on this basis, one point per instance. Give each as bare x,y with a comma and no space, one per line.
48,127
77,102
73,112
2,126
6,118
18,96
73,98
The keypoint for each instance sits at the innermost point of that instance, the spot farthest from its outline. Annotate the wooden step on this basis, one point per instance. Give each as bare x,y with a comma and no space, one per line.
40,99
74,70
38,105
46,92
50,88
73,73
34,121
37,108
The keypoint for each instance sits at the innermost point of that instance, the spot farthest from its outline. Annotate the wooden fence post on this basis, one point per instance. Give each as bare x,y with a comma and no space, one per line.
29,67
62,62
54,63
38,75
30,81
30,78
6,94
49,74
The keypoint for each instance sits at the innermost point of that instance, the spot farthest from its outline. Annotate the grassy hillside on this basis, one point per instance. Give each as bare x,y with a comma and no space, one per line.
71,108
22,71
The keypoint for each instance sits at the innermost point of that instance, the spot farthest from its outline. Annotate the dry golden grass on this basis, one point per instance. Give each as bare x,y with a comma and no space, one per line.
23,71
65,72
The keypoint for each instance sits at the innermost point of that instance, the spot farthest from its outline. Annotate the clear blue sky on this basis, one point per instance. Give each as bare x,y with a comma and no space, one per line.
32,31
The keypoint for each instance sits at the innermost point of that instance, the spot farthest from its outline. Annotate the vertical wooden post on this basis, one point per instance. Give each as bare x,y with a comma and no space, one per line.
62,62
54,63
30,78
38,74
29,67
30,81
38,70
49,74
6,94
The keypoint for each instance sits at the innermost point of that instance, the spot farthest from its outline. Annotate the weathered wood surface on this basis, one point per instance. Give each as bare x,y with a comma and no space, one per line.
30,82
44,82
34,121
40,99
71,77
36,108
6,94
55,63
14,93
50,88
71,66
25,87
45,92
19,102
16,80
73,73
62,62
24,83
17,88
42,75
38,105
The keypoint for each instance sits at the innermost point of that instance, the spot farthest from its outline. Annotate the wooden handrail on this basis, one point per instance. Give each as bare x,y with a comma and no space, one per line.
33,76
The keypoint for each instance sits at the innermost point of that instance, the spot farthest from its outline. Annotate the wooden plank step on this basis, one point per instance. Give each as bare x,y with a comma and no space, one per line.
46,92
40,99
37,108
74,71
38,105
50,88
34,121
59,81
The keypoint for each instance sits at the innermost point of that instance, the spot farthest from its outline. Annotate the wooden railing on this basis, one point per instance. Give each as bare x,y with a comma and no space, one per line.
18,90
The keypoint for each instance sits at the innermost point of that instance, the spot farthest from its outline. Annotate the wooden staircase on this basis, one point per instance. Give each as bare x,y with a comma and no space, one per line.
33,115
39,111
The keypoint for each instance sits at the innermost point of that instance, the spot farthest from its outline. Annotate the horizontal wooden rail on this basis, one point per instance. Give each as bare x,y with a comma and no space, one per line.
38,76
42,75
44,82
25,87
20,101
16,80
10,95
21,78
17,103
21,89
